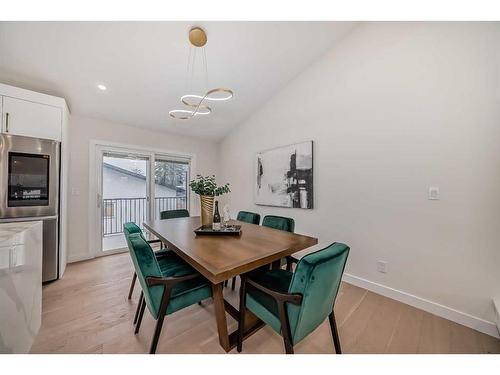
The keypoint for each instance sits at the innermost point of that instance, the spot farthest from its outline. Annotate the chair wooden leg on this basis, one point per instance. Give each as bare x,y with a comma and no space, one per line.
233,283
161,316
156,336
241,319
288,346
141,314
138,307
285,328
225,283
335,334
132,286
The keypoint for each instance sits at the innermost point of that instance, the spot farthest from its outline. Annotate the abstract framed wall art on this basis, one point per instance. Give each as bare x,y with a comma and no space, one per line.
284,176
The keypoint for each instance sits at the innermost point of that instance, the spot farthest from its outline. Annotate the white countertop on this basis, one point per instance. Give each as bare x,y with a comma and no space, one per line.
9,232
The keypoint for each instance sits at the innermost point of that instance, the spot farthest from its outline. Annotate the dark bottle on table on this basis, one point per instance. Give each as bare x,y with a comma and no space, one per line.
216,222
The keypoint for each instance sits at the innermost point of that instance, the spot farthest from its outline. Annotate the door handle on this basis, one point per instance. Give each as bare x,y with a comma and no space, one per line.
7,122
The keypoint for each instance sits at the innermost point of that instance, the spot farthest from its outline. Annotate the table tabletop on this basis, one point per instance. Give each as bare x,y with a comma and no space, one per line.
220,258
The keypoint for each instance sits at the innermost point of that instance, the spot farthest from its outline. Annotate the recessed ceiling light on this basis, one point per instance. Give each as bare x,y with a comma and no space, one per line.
101,87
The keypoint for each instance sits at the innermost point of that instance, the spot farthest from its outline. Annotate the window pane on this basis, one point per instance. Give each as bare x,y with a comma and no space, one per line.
171,185
124,193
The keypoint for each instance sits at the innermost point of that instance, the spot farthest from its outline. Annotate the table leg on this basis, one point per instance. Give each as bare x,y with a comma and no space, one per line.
220,316
251,325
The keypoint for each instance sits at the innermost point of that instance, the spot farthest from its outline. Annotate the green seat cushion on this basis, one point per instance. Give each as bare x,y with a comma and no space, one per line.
248,217
187,292
171,265
263,305
161,252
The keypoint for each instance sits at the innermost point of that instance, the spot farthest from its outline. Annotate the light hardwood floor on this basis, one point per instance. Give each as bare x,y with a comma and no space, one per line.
88,312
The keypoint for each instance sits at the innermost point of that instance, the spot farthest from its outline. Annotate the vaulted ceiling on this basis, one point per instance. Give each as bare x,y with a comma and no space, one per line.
144,66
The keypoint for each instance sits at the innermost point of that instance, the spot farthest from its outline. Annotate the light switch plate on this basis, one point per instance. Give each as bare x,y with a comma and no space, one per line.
434,193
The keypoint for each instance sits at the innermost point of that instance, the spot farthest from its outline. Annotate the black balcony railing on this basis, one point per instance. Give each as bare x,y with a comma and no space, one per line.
117,211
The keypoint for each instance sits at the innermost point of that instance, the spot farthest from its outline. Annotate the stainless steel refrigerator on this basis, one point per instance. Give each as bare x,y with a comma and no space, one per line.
29,182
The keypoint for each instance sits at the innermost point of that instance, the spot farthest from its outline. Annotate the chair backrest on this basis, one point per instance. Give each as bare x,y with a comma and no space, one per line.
317,277
131,228
145,265
174,214
279,222
248,217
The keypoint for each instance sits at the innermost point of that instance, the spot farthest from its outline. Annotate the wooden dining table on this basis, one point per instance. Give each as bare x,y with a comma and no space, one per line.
220,258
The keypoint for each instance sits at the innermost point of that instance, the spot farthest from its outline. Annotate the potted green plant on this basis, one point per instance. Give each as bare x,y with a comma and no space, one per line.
206,187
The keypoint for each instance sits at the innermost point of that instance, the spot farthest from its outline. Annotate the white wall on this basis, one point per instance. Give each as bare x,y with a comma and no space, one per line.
393,109
82,131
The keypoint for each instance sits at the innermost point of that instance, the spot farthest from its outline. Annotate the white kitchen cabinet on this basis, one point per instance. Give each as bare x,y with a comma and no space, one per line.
24,117
20,285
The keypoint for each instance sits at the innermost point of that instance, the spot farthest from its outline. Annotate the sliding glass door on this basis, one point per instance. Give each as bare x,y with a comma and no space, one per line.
135,186
125,195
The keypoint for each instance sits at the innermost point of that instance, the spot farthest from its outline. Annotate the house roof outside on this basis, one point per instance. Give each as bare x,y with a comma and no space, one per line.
128,180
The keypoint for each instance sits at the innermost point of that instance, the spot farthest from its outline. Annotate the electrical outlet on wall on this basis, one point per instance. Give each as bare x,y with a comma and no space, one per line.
382,266
434,193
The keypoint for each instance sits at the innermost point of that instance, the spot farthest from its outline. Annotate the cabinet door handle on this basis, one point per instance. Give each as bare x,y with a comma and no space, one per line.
7,122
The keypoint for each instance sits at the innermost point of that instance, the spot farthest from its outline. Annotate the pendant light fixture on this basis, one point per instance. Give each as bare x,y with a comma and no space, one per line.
197,105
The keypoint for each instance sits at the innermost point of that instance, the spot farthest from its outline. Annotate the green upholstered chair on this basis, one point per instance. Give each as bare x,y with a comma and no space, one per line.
295,303
168,285
248,217
130,227
281,223
174,214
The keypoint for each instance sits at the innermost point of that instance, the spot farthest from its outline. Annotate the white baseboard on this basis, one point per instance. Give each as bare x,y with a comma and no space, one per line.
449,313
72,258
